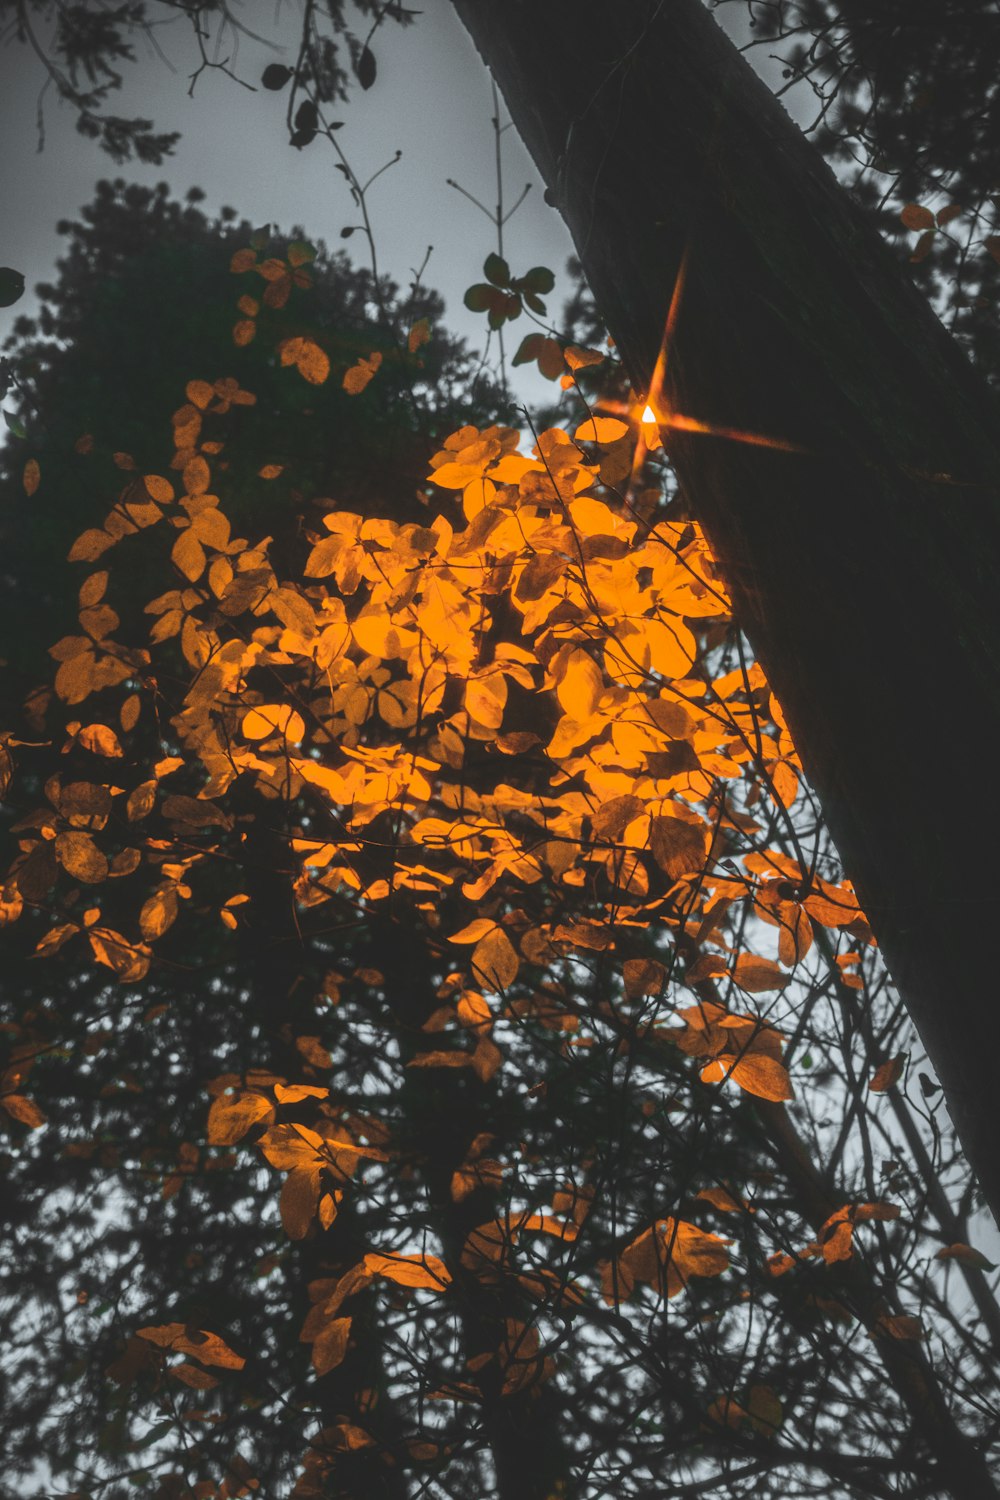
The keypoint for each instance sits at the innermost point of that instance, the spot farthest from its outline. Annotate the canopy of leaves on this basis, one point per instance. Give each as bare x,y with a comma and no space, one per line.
419,939
145,303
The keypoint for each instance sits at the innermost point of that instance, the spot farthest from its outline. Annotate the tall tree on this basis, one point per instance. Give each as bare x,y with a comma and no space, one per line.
825,429
440,873
865,413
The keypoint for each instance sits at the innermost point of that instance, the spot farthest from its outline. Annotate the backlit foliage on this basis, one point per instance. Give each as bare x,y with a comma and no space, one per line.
495,798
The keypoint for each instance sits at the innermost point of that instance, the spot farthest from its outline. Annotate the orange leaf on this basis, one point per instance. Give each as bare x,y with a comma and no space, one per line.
100,740
610,820
410,1270
915,216
418,334
330,1345
31,477
887,1074
494,961
81,858
23,1109
299,1196
757,975
309,359
273,718
755,1073
229,1119
603,430
358,376
966,1256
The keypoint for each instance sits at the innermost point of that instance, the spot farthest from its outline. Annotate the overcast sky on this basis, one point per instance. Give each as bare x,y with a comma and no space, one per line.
432,101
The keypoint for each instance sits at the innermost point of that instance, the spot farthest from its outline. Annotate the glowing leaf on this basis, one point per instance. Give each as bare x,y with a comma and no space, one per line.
410,1270
601,430
581,686
273,718
755,1072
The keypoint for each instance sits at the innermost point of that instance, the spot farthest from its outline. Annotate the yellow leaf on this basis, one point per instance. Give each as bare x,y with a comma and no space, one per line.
197,476
358,376
581,686
603,430
273,718
130,961
476,929
643,976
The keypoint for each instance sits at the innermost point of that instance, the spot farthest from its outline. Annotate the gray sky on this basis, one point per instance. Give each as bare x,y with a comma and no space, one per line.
432,100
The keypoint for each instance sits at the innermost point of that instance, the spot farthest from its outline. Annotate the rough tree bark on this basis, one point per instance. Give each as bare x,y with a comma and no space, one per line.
864,566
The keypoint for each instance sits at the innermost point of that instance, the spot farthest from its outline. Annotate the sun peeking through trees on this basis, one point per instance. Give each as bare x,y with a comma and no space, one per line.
424,930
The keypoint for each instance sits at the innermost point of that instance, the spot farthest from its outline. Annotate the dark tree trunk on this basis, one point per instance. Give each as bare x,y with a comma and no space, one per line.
863,567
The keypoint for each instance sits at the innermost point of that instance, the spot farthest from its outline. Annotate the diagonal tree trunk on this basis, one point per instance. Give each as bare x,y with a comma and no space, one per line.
864,560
